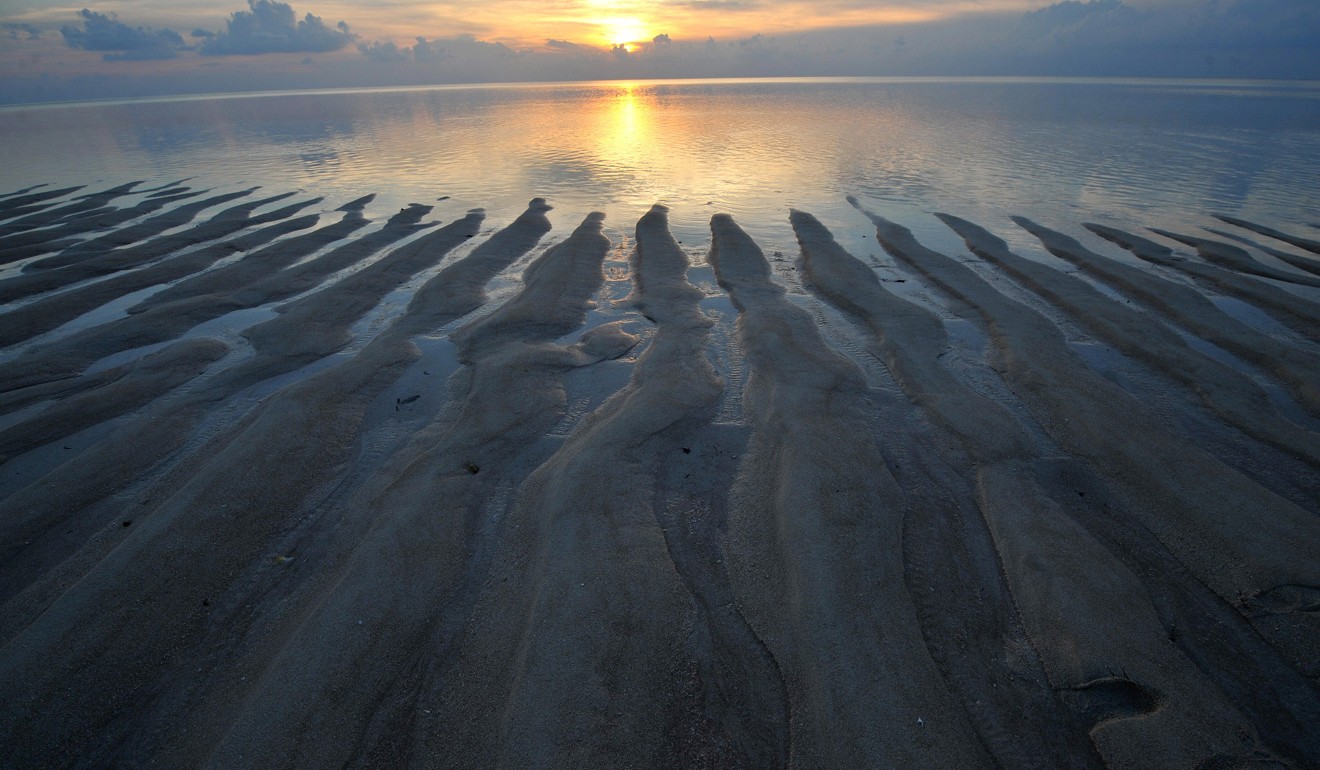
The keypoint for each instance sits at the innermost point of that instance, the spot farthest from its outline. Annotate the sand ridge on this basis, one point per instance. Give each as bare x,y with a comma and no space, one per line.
284,493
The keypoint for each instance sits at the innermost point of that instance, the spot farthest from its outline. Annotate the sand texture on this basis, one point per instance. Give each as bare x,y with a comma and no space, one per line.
306,485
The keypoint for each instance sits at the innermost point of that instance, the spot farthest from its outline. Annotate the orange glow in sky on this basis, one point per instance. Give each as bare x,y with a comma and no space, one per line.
606,23
623,30
529,24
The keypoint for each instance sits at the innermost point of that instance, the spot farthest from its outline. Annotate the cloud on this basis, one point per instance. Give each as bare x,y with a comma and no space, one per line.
199,32
465,53
426,51
1271,22
1071,26
1237,38
1159,38
32,32
1069,13
122,42
565,45
269,27
383,52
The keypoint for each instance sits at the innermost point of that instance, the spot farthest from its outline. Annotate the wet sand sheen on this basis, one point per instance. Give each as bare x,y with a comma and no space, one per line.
322,530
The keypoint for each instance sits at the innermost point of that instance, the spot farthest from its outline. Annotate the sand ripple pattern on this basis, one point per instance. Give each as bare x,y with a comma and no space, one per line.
283,485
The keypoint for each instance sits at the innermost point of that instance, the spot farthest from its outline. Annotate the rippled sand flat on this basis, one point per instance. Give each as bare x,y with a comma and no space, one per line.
293,482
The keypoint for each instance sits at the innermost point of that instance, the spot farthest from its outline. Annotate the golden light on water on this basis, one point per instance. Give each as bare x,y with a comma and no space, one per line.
625,128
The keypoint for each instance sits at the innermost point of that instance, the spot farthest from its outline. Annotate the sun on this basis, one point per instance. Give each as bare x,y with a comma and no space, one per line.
623,30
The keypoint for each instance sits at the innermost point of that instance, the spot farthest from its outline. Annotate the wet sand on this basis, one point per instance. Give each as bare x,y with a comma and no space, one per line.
290,485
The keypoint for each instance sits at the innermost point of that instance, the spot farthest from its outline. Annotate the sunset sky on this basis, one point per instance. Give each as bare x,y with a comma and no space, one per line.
50,49
529,23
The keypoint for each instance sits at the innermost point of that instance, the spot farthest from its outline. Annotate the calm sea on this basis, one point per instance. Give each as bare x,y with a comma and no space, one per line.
1134,153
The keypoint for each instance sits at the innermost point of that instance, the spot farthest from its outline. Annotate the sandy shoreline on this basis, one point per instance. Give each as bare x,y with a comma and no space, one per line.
287,485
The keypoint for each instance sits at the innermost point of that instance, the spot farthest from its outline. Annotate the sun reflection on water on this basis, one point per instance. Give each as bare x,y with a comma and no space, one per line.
750,148
626,128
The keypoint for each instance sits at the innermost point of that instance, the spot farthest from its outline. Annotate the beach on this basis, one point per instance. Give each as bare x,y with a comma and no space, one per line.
295,481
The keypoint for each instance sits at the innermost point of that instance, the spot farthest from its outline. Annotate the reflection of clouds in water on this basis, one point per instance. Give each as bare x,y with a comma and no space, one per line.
300,132
890,184
162,140
559,177
320,161
751,148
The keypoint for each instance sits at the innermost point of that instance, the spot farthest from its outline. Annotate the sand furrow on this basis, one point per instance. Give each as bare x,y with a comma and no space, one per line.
19,200
93,263
16,399
53,311
67,356
225,223
210,508
1193,504
94,214
1073,403
1229,394
154,375
1307,264
814,509
34,242
261,264
303,276
163,318
37,211
154,226
948,550
736,711
317,324
34,210
1236,258
944,511
460,288
82,206
1295,368
1300,315
1087,613
41,214
23,190
310,329
588,553
1269,232
418,530
330,386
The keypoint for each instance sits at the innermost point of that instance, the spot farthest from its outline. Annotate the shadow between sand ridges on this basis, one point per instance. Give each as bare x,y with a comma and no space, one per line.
1057,576
1101,635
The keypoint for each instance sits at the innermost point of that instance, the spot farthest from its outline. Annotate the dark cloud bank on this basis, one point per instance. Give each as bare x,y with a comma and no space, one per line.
27,30
1207,38
119,41
1212,38
266,27
273,27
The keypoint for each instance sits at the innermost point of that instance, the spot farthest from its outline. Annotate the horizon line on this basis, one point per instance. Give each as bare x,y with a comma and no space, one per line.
1153,80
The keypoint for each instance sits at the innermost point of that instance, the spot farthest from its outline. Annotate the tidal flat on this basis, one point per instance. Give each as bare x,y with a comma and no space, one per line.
377,473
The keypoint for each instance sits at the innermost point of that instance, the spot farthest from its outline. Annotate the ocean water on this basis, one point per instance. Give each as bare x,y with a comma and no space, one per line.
1129,153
